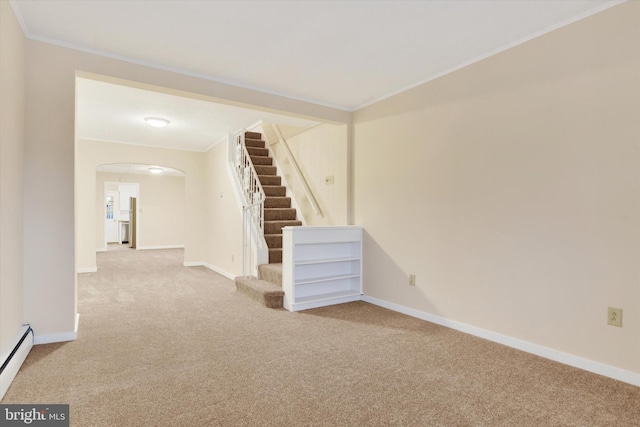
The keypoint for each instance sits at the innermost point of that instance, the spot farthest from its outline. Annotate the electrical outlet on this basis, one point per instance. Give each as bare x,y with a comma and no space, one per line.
412,279
614,316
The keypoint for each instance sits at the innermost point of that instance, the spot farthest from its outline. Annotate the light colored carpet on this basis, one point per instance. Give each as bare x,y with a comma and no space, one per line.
164,345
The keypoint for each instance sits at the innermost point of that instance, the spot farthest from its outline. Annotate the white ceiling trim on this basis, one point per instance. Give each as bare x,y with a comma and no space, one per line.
203,76
495,51
176,70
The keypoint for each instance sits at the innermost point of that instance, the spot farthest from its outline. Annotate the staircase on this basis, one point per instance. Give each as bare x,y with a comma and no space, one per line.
278,213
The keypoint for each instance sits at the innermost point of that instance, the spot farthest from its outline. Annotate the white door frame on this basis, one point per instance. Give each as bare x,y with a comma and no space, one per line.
104,209
116,208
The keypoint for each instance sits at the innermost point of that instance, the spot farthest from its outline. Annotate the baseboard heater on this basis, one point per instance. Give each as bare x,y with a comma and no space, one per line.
13,360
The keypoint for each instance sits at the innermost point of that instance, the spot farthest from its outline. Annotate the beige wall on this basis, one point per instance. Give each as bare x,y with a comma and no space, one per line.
511,188
223,224
12,137
161,208
91,154
320,152
49,270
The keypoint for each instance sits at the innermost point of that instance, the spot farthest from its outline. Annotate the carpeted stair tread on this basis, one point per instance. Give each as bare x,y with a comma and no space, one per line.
253,151
277,202
274,190
273,240
252,135
270,180
267,293
257,143
279,214
261,160
263,170
271,273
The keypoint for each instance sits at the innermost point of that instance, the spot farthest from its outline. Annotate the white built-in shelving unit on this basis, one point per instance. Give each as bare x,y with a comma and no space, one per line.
321,266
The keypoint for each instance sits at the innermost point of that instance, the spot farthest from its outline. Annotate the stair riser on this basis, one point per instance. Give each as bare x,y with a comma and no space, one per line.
271,273
274,241
263,152
275,256
275,227
274,191
277,202
252,135
270,180
266,170
270,295
257,160
277,214
257,143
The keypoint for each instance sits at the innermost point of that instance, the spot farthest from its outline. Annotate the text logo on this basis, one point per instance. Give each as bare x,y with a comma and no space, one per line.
34,415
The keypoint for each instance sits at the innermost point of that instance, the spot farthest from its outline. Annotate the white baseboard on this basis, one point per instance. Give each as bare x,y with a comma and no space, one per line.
13,357
51,338
210,267
148,248
87,270
193,264
101,250
538,350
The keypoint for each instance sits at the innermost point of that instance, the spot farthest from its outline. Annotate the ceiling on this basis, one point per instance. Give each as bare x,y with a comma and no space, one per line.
344,54
115,113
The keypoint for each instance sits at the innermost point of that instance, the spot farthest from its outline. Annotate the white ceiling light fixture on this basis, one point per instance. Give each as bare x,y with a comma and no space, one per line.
155,169
156,122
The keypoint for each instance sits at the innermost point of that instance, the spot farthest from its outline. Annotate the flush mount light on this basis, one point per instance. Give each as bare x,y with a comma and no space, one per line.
156,122
155,169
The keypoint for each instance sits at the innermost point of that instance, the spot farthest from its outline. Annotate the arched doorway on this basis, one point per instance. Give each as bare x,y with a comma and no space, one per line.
139,206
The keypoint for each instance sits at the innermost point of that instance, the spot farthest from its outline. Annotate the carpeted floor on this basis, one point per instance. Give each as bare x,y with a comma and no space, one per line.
164,345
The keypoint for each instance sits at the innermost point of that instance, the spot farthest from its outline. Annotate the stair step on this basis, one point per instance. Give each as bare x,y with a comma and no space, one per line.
257,143
253,151
271,273
274,241
275,227
279,214
266,170
270,180
267,293
274,190
277,202
275,255
252,135
260,160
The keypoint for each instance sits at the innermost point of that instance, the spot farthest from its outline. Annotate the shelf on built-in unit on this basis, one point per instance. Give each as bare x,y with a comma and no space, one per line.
325,279
326,261
321,266
327,297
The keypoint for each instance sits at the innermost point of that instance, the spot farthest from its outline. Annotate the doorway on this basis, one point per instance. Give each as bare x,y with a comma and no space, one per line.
111,218
140,206
120,215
